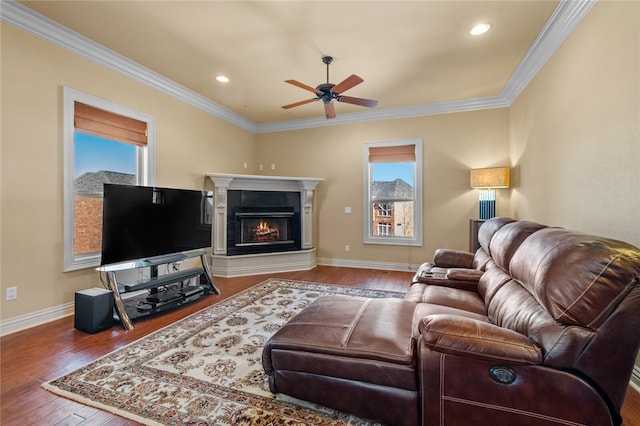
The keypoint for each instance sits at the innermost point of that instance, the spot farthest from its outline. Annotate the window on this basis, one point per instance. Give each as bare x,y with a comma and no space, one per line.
103,143
393,192
384,229
384,209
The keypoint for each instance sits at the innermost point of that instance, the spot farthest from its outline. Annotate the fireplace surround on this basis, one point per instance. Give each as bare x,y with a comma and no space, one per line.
264,230
262,221
262,224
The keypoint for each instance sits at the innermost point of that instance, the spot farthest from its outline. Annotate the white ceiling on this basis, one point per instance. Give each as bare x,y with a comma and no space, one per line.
409,53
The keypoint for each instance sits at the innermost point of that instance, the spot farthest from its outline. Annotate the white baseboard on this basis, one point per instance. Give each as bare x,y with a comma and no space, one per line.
367,264
22,322
635,378
33,319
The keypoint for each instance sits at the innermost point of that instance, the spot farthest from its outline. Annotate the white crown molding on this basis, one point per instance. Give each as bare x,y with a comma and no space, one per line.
36,24
567,15
387,114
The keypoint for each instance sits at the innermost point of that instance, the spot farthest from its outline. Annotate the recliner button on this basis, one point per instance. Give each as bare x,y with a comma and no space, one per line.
503,375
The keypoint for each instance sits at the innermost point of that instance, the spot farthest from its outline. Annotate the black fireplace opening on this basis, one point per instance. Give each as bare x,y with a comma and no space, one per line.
263,222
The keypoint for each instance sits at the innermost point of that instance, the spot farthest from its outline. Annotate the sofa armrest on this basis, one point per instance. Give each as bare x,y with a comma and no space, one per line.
447,258
464,274
462,336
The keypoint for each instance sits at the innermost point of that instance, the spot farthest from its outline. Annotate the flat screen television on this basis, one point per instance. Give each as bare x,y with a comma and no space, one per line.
142,222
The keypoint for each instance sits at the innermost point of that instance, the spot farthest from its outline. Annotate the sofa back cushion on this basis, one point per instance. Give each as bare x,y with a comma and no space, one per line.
576,296
510,305
482,258
490,227
558,288
578,279
508,239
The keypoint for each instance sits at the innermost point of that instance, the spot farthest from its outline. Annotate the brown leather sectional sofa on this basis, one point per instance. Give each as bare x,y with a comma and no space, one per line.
540,326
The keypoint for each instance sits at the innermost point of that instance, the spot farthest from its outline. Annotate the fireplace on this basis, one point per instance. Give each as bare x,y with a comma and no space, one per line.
262,224
264,229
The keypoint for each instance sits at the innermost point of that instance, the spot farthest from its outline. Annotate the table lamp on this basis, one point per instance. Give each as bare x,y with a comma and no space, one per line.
487,181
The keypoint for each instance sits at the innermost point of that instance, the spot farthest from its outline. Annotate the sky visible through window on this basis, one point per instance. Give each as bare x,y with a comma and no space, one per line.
92,154
388,172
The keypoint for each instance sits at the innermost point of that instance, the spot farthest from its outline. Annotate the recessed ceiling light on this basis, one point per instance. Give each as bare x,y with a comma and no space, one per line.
480,29
222,79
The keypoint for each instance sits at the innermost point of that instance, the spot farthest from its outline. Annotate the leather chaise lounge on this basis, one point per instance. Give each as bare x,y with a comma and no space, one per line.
541,326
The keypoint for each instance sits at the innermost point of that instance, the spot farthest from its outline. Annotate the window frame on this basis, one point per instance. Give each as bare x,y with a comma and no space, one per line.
145,168
368,238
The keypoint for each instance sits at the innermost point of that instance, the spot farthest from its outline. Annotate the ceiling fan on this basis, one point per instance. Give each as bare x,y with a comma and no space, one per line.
327,92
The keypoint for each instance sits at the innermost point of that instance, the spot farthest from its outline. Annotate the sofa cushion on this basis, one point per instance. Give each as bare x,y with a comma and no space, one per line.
481,260
508,238
486,231
351,327
464,300
579,279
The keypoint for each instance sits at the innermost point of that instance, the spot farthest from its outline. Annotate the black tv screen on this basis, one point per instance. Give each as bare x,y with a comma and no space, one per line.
140,222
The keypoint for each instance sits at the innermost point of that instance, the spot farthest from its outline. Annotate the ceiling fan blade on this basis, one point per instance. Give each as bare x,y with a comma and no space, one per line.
347,83
303,86
358,101
330,110
306,101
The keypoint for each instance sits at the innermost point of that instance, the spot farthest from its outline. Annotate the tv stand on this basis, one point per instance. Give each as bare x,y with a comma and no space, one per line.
165,291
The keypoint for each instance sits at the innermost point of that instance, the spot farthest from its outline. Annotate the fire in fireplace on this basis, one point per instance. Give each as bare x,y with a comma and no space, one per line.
263,231
264,228
263,222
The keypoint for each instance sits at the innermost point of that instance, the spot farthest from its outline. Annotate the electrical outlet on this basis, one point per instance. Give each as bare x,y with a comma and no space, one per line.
12,293
347,248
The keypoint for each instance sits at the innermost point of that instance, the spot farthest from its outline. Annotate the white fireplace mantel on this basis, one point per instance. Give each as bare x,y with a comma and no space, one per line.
277,262
263,183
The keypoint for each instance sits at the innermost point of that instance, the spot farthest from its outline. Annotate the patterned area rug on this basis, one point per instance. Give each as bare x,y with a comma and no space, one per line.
207,369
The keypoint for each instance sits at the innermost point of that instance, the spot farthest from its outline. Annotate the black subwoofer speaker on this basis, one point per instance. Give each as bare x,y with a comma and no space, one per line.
93,310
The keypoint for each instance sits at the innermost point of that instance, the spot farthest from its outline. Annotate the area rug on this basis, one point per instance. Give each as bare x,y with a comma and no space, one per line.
207,369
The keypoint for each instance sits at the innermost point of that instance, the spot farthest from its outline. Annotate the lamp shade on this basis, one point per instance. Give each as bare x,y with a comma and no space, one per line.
495,177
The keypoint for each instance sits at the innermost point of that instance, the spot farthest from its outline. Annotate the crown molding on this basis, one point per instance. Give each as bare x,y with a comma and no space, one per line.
567,15
387,114
28,20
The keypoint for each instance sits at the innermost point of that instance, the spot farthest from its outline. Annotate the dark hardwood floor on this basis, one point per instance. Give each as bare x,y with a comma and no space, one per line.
39,354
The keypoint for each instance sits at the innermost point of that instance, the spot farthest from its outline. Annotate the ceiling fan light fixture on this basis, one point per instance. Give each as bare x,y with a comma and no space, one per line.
327,92
480,29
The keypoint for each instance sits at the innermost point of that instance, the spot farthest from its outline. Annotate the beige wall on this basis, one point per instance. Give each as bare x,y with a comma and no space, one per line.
573,137
452,144
190,143
575,130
